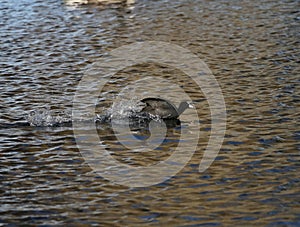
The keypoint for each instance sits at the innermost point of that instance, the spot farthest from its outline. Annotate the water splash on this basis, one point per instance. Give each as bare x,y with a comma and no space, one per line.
121,109
47,117
124,108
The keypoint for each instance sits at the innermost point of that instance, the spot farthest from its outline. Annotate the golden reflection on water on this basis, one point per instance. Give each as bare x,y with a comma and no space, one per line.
251,48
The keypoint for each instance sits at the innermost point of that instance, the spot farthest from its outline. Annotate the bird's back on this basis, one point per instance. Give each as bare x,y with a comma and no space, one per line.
159,107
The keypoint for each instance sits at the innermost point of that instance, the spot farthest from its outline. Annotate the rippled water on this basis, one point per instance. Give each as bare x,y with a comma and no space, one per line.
251,47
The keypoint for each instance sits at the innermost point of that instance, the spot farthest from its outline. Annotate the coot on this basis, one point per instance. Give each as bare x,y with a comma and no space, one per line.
164,109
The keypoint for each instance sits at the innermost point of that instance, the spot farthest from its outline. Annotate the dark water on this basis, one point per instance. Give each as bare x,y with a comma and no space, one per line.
251,47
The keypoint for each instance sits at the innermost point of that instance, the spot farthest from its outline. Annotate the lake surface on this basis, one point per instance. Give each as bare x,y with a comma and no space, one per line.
252,49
